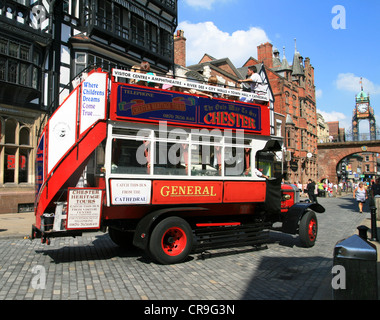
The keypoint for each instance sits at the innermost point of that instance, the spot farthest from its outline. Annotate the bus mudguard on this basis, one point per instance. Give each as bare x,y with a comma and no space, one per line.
295,213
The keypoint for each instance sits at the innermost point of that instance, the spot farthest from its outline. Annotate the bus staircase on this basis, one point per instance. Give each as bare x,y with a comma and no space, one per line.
68,169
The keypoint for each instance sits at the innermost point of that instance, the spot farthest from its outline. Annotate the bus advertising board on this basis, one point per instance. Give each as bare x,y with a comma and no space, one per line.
182,109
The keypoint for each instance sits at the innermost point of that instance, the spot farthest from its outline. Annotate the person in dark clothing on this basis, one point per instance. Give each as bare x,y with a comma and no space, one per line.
375,190
311,191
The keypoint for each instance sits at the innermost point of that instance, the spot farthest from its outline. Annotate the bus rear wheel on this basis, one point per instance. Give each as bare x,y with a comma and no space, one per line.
171,241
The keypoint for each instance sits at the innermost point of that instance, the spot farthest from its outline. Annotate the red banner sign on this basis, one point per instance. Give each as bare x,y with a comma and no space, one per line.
11,162
165,192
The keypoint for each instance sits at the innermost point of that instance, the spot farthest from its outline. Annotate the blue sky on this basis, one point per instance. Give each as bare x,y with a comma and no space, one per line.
341,38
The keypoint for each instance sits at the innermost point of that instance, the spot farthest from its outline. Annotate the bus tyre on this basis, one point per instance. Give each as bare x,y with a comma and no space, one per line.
308,229
171,241
123,239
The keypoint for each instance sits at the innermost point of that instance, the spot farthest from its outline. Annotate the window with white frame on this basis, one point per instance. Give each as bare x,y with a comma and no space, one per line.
84,59
278,128
80,62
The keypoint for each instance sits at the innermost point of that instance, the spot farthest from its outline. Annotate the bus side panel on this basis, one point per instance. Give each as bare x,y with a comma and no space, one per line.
210,194
212,211
188,192
238,191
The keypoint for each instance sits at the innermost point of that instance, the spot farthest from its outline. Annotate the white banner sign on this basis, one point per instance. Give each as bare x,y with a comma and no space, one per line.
84,209
93,100
130,191
62,130
188,84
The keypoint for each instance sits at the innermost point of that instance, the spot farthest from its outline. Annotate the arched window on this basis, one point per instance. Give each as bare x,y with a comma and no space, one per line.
24,136
10,131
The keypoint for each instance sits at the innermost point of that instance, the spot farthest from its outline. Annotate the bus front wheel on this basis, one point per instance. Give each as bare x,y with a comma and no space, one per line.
308,229
171,241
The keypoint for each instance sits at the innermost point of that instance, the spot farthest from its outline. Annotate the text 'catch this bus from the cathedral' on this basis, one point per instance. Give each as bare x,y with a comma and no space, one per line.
171,171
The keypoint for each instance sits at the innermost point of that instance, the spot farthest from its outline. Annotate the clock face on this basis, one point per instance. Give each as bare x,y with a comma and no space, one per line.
362,107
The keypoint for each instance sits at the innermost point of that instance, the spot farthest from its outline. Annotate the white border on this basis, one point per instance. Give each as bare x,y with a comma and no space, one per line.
188,84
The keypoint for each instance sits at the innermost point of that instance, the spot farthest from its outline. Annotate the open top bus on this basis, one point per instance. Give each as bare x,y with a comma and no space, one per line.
167,171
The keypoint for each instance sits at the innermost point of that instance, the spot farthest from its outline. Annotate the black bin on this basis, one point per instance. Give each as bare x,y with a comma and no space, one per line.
321,193
47,221
356,259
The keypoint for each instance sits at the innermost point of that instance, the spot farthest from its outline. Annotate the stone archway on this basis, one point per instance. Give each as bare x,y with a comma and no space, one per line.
330,154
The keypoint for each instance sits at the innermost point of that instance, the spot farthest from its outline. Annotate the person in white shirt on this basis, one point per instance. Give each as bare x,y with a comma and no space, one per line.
254,80
299,186
260,174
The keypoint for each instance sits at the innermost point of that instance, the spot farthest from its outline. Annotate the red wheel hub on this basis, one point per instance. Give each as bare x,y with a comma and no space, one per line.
312,231
174,241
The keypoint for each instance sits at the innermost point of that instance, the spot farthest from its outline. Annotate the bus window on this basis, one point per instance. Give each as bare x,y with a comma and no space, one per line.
126,159
265,167
234,161
171,158
205,160
265,161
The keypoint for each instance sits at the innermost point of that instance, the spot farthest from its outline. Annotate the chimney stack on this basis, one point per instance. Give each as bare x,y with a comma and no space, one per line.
265,54
180,48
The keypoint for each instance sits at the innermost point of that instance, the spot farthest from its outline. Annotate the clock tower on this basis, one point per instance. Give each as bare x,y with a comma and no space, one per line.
363,111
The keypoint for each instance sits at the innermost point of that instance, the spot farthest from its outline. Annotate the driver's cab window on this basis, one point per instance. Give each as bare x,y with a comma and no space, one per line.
264,162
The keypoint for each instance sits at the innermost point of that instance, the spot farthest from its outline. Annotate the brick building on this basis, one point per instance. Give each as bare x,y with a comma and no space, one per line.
226,73
337,134
294,92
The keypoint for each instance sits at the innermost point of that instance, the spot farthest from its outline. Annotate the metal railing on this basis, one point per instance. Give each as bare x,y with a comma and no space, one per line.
349,137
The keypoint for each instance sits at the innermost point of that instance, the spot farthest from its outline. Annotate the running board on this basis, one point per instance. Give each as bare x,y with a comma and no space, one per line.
230,236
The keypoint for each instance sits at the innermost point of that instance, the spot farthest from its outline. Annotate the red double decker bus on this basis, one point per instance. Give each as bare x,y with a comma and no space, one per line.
167,171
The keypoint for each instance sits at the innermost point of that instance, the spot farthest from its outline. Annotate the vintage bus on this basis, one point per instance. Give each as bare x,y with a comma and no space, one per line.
169,171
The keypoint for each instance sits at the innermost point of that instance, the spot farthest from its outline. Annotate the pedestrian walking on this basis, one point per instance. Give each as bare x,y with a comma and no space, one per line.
311,191
360,195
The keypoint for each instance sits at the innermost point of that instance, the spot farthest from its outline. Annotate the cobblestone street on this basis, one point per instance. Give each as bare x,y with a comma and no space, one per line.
93,267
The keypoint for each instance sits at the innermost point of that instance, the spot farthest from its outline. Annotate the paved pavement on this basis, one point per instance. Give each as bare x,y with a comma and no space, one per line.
16,225
92,267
